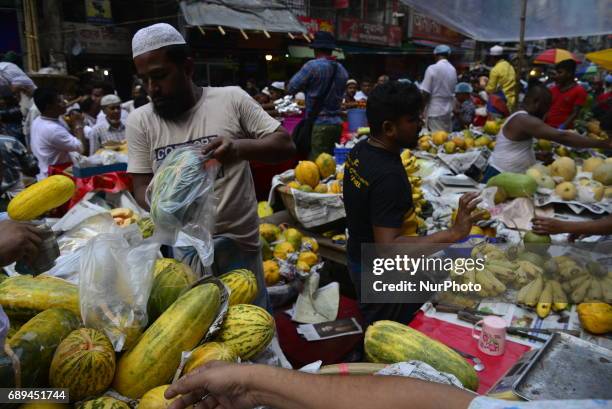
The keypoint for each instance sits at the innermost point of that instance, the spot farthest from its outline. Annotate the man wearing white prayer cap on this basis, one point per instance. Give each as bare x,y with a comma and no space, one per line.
225,121
110,130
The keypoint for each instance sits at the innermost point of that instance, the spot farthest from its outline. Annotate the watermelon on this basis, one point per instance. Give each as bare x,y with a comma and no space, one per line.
171,279
242,285
248,329
84,362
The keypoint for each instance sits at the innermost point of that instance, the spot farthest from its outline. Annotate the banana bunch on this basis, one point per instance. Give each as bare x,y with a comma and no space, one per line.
589,287
567,268
409,162
490,285
518,274
417,193
488,251
543,294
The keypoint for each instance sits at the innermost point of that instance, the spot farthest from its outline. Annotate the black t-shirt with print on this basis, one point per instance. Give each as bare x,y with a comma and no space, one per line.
376,193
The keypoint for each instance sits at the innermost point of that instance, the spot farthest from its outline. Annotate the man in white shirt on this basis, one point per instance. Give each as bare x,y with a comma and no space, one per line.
111,130
438,89
224,121
50,140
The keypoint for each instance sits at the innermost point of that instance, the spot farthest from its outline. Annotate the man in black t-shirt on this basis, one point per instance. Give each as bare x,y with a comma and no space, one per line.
377,193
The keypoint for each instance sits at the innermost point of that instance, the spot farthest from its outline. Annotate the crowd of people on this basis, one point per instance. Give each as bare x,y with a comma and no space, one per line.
41,129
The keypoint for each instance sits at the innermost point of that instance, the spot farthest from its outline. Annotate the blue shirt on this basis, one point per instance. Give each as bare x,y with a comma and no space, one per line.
312,79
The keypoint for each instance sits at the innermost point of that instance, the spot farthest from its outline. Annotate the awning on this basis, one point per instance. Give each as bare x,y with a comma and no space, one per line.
499,20
269,15
353,49
301,51
602,58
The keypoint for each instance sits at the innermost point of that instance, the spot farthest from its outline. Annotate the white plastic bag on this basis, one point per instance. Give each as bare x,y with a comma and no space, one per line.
182,200
115,283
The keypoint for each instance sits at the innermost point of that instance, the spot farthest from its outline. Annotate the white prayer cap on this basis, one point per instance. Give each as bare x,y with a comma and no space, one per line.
155,37
496,50
110,99
278,85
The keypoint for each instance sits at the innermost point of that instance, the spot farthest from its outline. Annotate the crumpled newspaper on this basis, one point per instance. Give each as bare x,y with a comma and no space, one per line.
420,370
286,105
462,162
106,157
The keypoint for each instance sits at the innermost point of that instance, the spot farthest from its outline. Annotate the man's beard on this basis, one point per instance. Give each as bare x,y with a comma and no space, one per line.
170,108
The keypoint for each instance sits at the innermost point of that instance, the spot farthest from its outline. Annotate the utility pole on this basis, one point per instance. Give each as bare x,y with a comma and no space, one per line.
521,52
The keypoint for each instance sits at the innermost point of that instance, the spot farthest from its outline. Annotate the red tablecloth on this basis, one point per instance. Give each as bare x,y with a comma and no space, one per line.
460,337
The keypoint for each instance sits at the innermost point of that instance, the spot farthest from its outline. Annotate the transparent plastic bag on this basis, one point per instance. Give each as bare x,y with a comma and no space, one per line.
182,200
114,285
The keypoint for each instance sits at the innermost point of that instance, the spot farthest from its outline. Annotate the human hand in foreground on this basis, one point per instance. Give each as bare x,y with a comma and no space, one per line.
215,384
18,240
467,214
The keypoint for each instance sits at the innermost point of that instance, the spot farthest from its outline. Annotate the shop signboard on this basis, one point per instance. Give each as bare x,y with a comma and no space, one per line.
316,24
98,39
423,27
98,11
359,31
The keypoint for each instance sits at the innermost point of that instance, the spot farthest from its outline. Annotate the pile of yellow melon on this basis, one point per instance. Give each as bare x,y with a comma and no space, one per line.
455,144
561,175
279,244
319,176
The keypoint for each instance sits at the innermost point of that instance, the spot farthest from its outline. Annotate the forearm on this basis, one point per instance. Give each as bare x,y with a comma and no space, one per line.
274,148
573,139
443,237
590,228
351,392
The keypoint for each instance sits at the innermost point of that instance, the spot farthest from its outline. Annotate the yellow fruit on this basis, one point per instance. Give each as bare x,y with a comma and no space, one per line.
410,224
492,145
459,142
154,399
592,163
424,145
439,137
264,209
482,141
562,151
335,187
303,266
307,173
271,272
340,176
282,249
595,317
294,184
449,147
564,167
469,143
294,237
208,351
41,197
308,257
406,154
269,232
566,191
321,188
491,127
305,188
326,164
311,243
476,231
603,174
544,145
534,172
608,193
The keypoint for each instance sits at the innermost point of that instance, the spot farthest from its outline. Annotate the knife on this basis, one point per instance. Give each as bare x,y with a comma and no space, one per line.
547,331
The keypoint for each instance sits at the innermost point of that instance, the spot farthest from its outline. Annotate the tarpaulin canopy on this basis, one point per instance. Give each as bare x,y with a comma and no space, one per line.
602,58
499,20
266,15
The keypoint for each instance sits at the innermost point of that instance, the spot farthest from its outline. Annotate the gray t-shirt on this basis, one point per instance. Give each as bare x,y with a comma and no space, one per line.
221,111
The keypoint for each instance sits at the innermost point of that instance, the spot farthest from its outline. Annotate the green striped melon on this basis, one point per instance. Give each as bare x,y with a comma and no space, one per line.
84,363
171,279
24,296
157,354
33,345
44,405
248,329
390,342
154,399
105,402
242,285
210,351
